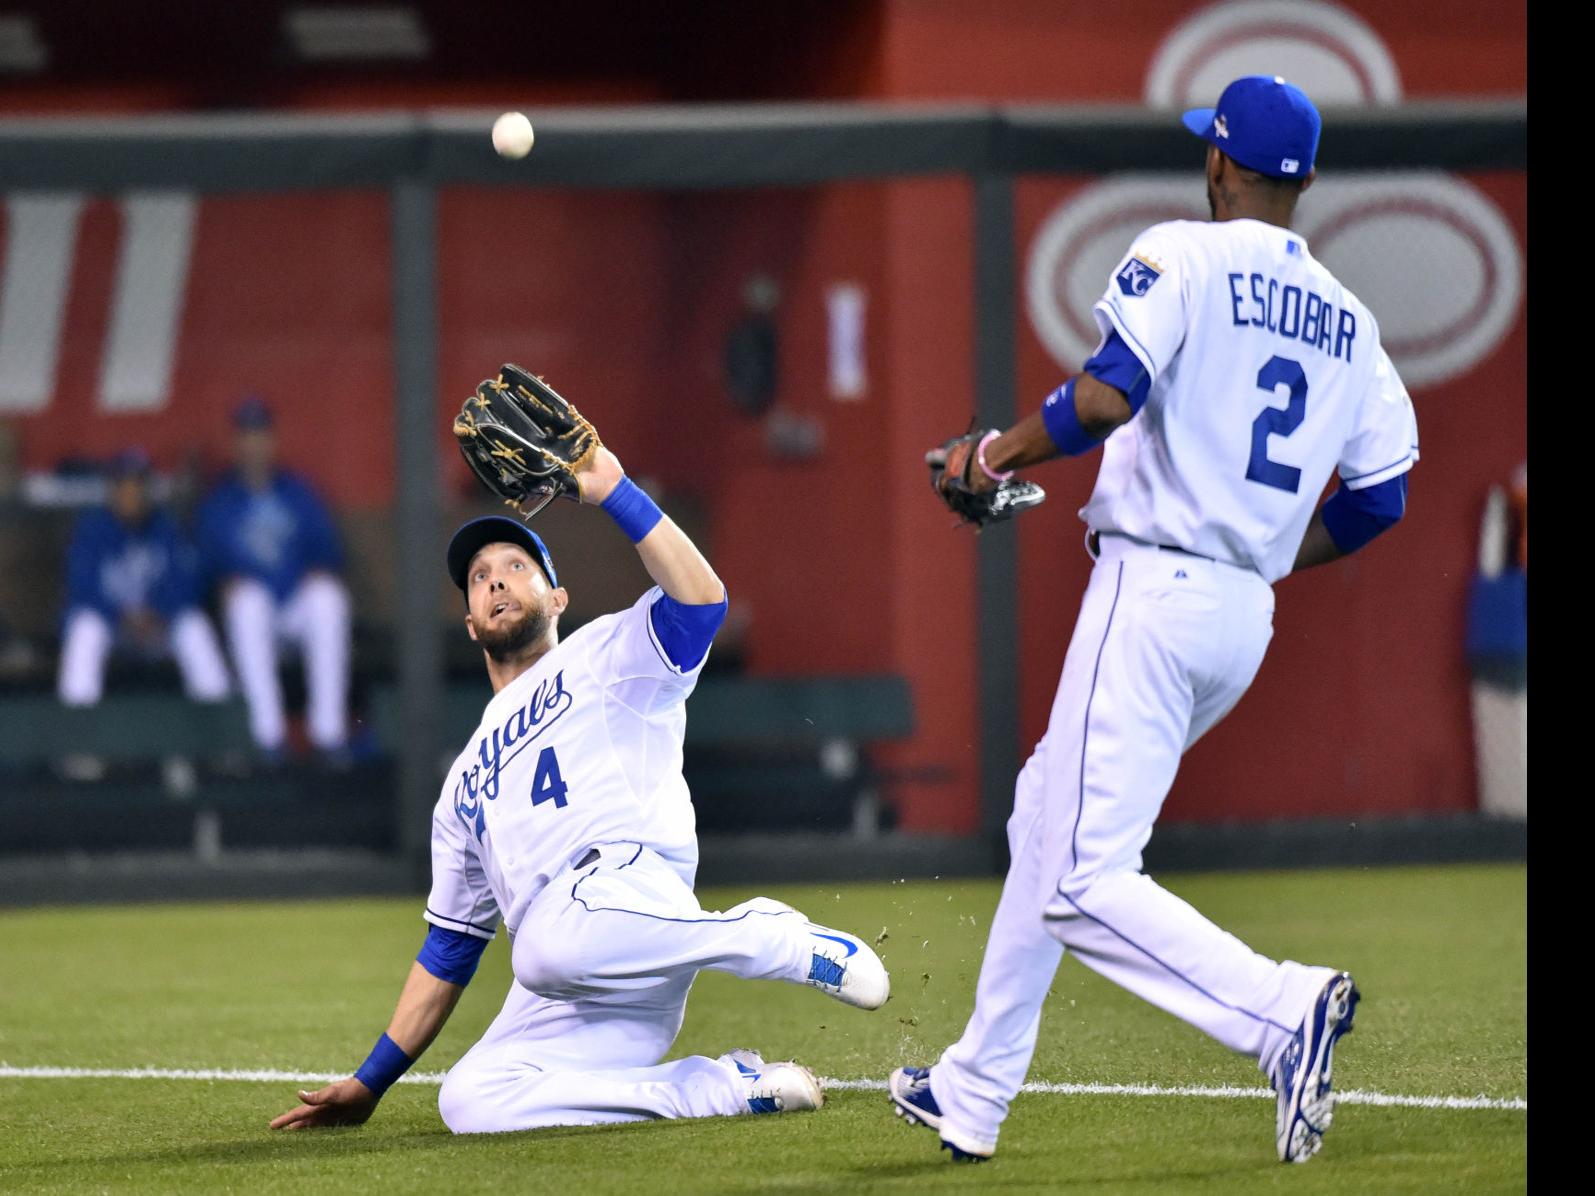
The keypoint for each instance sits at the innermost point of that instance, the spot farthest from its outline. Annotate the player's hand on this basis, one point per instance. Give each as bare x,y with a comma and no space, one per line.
969,492
959,463
345,1102
599,477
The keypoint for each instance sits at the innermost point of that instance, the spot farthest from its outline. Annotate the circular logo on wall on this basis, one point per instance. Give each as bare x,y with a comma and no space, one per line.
1329,53
1432,257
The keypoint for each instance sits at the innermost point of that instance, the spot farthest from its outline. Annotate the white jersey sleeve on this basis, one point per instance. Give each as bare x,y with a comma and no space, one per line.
630,662
461,898
1384,439
1147,298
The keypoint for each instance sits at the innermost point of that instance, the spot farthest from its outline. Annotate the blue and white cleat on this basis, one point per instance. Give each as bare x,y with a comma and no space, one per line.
785,1087
845,967
747,1063
913,1101
1302,1076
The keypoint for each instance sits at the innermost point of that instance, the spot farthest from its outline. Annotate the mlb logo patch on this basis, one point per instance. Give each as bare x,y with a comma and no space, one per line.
1137,276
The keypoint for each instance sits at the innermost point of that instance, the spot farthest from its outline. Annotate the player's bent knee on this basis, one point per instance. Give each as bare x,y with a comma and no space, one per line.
1068,896
489,1095
1073,885
248,598
1077,894
327,595
462,1103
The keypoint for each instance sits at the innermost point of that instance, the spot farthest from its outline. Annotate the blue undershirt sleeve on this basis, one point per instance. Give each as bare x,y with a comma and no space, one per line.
451,955
1116,364
1354,517
685,632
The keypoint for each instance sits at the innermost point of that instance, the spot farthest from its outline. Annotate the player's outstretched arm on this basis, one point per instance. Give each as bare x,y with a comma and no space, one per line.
424,1005
1098,409
672,560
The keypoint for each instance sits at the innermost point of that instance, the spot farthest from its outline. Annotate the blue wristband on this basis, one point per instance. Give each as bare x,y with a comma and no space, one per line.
1063,422
386,1063
630,507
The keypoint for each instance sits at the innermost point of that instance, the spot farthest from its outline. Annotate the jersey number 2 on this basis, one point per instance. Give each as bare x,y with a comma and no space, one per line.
1277,372
547,784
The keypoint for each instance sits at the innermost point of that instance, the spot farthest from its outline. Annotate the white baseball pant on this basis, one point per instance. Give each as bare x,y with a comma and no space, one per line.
1165,645
315,618
603,959
88,639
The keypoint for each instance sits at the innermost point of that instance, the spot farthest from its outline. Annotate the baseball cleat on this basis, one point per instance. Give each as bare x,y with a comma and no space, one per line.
786,1087
844,966
1302,1076
913,1101
747,1063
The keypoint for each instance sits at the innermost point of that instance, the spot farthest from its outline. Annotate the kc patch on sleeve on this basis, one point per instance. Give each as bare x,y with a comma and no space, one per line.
1138,275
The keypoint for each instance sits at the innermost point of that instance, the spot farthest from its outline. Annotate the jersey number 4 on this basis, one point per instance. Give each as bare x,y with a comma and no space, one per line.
547,784
1274,421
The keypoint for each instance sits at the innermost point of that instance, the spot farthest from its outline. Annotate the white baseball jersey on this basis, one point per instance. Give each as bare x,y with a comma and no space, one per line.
1266,375
581,749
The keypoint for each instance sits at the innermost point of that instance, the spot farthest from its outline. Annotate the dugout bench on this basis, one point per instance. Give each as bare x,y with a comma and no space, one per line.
170,775
766,755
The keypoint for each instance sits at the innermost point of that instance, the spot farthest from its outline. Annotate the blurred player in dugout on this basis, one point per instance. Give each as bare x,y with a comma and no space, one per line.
133,588
267,541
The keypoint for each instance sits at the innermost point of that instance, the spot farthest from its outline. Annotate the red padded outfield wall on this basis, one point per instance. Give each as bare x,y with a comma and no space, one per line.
842,561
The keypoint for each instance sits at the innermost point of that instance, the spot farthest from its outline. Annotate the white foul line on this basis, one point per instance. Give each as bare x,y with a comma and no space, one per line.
1350,1097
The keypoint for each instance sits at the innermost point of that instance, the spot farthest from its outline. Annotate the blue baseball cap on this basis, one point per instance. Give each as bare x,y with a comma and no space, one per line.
1264,123
493,529
252,414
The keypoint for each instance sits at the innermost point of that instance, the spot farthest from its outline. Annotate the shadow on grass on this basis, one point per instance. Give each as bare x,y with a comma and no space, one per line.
1007,1173
331,1144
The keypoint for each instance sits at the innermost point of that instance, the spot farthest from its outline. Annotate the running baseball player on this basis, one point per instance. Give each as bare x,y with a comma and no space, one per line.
1234,375
567,816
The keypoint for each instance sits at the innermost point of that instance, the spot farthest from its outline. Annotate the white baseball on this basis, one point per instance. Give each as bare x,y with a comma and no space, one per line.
512,135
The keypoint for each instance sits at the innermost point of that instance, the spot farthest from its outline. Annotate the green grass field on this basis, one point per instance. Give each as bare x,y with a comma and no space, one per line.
1440,954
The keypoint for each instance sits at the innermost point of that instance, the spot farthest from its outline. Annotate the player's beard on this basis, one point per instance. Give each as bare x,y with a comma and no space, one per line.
508,642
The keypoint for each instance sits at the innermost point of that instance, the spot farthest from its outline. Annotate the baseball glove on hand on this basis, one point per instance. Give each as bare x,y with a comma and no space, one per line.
950,466
524,441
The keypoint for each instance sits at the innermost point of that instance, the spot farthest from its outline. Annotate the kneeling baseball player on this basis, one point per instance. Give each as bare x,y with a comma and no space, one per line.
567,816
